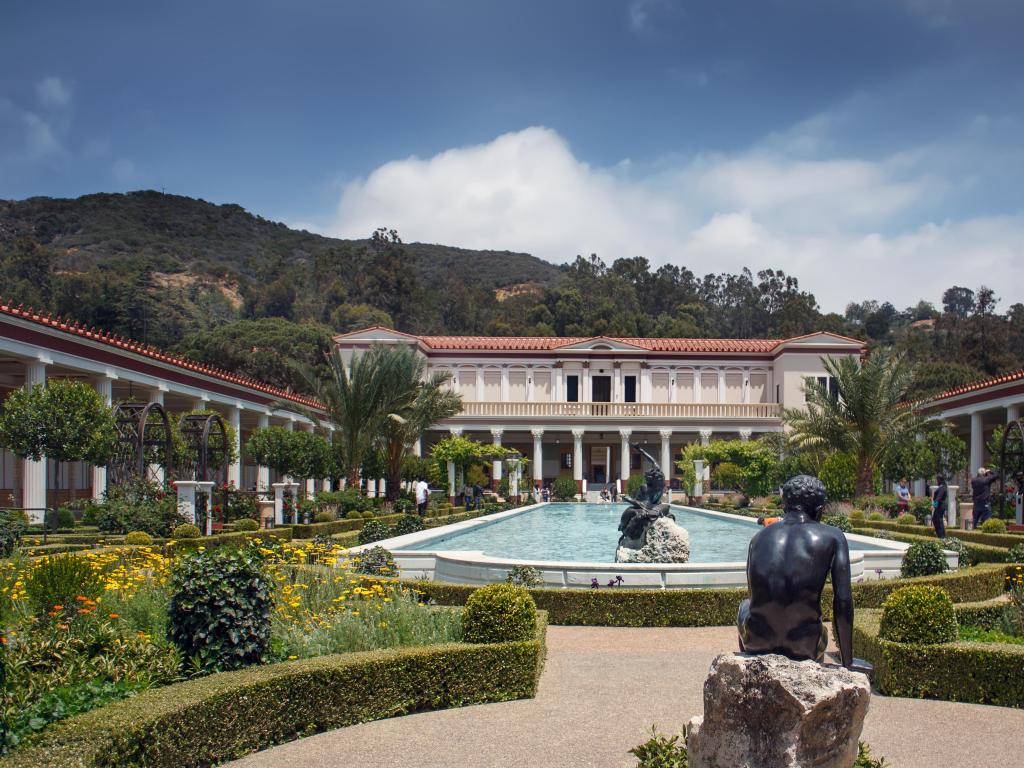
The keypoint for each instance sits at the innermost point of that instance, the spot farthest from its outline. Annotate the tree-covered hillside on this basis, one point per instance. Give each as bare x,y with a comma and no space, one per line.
230,288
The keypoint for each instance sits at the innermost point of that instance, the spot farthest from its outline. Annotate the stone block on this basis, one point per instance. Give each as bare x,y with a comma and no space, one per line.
771,712
665,541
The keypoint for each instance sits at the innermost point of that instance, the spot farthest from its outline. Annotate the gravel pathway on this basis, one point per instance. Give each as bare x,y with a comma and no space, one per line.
601,691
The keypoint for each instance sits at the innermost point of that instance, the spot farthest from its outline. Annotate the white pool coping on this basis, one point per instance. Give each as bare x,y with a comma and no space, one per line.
473,567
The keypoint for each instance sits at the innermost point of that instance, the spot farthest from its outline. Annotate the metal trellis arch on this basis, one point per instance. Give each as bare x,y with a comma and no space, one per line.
144,443
206,447
1011,460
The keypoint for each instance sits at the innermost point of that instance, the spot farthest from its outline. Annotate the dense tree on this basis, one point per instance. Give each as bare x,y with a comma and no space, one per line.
864,418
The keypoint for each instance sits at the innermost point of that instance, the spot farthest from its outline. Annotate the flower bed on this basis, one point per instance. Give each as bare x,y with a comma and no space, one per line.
982,673
228,715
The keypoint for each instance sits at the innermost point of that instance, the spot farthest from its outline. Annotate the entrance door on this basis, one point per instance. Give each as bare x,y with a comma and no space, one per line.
602,389
599,474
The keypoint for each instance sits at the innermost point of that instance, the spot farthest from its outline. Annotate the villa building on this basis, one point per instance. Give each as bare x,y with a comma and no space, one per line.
574,406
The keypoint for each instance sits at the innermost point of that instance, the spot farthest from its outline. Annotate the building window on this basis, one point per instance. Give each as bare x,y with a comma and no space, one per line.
602,389
567,460
634,461
572,389
629,396
826,384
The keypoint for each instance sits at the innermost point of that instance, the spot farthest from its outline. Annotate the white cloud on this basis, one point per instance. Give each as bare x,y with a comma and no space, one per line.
847,227
53,93
40,140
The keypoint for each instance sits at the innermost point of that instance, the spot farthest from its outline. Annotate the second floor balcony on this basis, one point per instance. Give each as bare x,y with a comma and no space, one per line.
674,411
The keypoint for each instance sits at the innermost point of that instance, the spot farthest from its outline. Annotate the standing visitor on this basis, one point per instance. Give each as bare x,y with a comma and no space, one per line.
422,494
467,496
478,495
981,495
902,495
940,501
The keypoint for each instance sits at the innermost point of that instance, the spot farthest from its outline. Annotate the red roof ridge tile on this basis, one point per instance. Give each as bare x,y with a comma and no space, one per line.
146,350
992,381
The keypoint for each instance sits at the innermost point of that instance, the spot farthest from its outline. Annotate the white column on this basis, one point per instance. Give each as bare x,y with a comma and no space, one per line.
608,464
624,458
479,383
103,386
263,473
504,383
745,434
619,394
417,447
538,456
199,404
586,393
451,482
290,425
977,443
559,385
577,457
645,385
705,436
497,465
1012,412
235,467
698,385
666,454
310,489
721,385
529,383
34,472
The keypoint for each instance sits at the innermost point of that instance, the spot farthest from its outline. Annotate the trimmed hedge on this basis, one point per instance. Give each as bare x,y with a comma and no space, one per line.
225,716
1004,540
982,673
309,530
624,607
980,553
220,539
986,614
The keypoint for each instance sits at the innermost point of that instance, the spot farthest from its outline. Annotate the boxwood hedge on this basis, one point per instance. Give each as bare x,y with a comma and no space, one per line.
621,607
982,673
980,553
221,717
1004,540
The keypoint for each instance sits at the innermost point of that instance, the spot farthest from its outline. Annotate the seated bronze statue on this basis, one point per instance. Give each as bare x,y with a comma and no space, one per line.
645,508
787,565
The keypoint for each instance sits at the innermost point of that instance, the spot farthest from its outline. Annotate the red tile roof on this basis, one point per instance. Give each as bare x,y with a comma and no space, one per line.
547,343
127,345
1005,378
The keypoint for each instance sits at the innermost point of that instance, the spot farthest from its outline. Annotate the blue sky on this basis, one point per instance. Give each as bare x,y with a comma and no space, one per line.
872,148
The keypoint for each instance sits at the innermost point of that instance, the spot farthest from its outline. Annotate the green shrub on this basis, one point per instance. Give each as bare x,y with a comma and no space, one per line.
865,760
12,526
839,475
353,515
661,751
374,530
186,531
1015,554
499,613
919,615
1012,619
408,524
840,521
857,515
220,608
138,538
376,561
262,706
993,525
60,581
524,576
369,514
954,544
139,506
877,516
633,485
906,520
923,558
60,518
888,535
246,524
324,517
564,489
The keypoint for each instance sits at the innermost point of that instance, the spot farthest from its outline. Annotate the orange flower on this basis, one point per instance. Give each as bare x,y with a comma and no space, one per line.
113,615
58,607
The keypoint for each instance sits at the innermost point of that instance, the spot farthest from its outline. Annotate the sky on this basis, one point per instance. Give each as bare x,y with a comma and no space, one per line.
873,149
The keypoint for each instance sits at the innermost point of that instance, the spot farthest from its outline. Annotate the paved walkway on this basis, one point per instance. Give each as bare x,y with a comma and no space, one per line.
601,691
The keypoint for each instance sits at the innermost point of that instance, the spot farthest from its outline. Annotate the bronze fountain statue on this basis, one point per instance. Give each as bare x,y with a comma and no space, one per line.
787,566
644,509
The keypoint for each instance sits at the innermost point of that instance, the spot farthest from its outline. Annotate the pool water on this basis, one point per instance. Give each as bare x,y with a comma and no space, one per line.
588,533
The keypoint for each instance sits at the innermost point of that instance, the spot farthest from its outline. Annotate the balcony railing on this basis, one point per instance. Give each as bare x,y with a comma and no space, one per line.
625,410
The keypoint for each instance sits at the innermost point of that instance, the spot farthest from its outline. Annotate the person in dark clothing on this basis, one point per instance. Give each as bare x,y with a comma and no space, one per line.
478,495
981,495
940,502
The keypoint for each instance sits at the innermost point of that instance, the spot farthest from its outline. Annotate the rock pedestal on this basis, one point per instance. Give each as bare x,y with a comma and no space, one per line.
664,541
770,712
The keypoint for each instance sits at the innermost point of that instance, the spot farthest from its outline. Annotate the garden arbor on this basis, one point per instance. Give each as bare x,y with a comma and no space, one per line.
457,453
144,448
1011,466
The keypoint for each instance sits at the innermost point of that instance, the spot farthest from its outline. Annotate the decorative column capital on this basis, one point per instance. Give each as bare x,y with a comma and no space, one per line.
497,432
537,432
705,436
666,434
625,433
455,430
578,433
745,434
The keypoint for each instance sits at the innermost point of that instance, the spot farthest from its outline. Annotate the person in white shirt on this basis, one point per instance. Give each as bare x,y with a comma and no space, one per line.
422,493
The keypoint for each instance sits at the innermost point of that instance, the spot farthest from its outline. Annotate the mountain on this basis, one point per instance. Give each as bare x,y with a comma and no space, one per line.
191,264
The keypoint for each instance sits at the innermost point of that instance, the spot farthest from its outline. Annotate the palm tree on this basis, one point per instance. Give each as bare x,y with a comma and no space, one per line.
866,416
406,422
